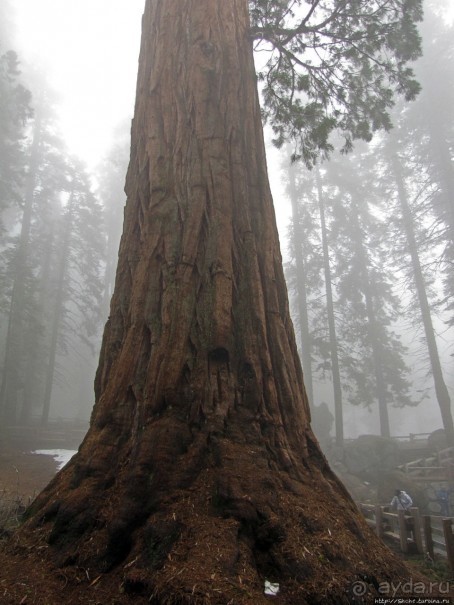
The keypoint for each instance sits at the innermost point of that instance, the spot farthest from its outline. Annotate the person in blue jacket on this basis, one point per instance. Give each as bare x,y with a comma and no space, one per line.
443,500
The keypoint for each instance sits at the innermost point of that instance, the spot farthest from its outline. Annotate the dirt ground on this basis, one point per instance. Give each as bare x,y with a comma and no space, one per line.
23,474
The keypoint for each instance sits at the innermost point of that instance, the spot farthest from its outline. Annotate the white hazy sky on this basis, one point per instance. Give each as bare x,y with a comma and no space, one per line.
89,50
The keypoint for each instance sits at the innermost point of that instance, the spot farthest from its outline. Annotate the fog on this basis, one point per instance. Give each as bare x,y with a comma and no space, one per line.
88,52
388,208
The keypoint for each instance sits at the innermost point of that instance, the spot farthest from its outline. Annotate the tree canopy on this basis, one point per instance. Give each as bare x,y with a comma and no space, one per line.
333,65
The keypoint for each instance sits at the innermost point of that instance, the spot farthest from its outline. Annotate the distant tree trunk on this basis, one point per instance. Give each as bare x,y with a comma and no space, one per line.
63,252
372,328
37,349
200,473
16,317
335,371
31,378
301,279
441,390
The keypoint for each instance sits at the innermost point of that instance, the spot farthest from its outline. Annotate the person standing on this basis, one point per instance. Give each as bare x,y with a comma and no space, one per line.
443,501
401,501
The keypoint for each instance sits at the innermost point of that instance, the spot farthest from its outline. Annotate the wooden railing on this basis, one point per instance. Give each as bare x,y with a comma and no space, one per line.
412,437
423,534
439,467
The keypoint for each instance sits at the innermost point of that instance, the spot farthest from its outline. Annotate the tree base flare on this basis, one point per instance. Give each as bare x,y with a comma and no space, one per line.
215,541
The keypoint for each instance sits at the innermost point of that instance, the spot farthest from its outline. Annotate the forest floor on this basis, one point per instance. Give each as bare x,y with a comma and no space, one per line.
22,476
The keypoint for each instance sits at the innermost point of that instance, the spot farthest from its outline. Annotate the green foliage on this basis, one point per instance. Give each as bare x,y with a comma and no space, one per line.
333,65
52,262
85,247
372,357
367,303
15,110
392,206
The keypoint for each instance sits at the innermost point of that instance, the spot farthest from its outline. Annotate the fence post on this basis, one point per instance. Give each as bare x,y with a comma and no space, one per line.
449,540
379,521
417,537
403,533
428,541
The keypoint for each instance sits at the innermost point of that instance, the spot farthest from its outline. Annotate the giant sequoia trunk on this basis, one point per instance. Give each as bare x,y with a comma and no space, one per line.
200,476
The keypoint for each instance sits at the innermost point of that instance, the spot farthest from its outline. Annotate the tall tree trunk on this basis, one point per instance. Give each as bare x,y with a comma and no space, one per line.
337,387
305,336
200,473
37,348
372,327
57,312
441,390
31,378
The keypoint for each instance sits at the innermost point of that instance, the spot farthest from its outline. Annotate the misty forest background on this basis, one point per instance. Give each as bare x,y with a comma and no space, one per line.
369,252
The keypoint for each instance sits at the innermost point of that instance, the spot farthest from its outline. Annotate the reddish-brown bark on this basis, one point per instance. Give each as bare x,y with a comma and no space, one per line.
200,476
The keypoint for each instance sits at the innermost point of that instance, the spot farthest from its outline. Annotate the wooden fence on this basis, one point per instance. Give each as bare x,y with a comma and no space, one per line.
413,532
433,469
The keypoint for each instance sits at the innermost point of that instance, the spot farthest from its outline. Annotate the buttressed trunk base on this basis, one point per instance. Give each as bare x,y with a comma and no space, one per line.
200,477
